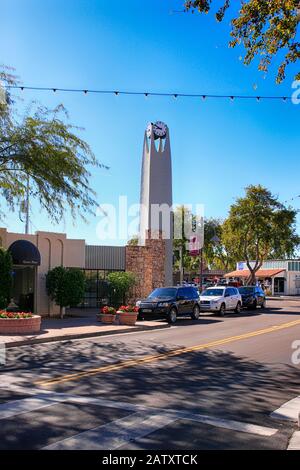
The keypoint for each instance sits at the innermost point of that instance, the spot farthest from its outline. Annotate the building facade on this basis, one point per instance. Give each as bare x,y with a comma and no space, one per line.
281,277
34,255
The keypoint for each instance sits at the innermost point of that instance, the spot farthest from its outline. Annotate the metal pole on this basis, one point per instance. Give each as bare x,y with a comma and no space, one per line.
181,265
201,269
27,207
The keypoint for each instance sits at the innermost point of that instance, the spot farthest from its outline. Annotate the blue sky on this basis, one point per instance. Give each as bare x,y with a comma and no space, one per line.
218,147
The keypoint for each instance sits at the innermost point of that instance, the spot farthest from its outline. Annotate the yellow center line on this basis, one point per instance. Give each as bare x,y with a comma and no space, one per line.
161,356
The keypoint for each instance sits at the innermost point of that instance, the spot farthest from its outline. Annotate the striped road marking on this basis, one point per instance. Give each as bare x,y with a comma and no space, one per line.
113,435
288,411
27,405
161,356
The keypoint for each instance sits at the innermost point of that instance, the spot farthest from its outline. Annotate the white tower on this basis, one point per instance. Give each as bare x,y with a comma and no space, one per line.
156,190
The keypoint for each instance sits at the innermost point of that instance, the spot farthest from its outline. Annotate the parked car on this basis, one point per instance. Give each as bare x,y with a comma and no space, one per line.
220,299
252,297
169,303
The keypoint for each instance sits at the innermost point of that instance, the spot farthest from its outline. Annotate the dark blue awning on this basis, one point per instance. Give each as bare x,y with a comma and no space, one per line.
25,253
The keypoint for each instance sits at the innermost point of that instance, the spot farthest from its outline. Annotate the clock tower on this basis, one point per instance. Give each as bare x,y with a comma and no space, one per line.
156,191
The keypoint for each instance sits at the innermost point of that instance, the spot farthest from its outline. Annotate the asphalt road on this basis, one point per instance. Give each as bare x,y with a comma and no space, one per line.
210,384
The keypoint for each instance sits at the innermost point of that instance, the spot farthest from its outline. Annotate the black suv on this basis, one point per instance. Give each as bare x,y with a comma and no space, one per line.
169,303
252,297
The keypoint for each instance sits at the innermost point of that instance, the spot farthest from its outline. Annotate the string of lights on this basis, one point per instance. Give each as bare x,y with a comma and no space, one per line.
146,94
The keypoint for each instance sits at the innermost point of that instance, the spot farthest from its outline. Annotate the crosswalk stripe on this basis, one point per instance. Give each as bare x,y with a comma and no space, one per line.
288,411
26,405
48,398
113,435
177,414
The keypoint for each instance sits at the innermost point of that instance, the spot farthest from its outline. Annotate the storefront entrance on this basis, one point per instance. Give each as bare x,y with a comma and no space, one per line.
26,259
24,287
279,285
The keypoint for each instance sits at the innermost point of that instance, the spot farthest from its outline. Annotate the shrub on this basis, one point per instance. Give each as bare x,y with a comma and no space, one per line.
65,286
120,285
5,277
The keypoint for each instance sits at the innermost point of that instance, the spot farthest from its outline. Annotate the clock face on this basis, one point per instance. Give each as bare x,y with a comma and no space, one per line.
159,129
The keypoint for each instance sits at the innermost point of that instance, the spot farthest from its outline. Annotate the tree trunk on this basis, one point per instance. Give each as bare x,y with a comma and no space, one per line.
251,281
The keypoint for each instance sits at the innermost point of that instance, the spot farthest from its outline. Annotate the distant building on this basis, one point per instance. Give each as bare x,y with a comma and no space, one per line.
282,277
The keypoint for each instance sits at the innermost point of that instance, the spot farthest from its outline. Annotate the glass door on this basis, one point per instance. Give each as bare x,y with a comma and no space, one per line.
23,287
279,285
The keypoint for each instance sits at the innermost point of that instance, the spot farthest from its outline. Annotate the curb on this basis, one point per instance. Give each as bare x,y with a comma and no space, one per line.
291,298
294,443
29,342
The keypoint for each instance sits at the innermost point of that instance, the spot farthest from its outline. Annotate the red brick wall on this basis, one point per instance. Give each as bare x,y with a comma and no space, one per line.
148,264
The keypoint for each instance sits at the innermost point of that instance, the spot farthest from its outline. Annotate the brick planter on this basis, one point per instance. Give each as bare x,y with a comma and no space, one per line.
127,318
19,326
107,318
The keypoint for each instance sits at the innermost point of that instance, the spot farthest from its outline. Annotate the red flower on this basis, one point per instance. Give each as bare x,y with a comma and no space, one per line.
108,310
128,308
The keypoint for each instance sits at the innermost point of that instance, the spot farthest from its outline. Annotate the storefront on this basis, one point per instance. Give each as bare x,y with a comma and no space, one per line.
26,258
280,277
34,255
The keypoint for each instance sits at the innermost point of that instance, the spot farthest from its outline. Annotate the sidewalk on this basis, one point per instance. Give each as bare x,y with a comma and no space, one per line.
284,297
75,328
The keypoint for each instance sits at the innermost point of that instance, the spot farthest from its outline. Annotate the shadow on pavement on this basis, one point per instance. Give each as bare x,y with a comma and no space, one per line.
213,382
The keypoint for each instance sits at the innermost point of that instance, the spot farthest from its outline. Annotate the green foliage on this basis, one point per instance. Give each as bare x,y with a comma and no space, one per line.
65,286
216,255
44,146
120,285
264,27
259,228
5,277
134,241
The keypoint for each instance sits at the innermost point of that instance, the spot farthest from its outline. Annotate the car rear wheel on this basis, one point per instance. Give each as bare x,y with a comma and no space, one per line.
238,308
254,305
196,313
222,310
172,316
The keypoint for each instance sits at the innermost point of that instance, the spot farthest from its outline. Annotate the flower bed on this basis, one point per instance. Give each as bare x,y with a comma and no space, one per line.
17,323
